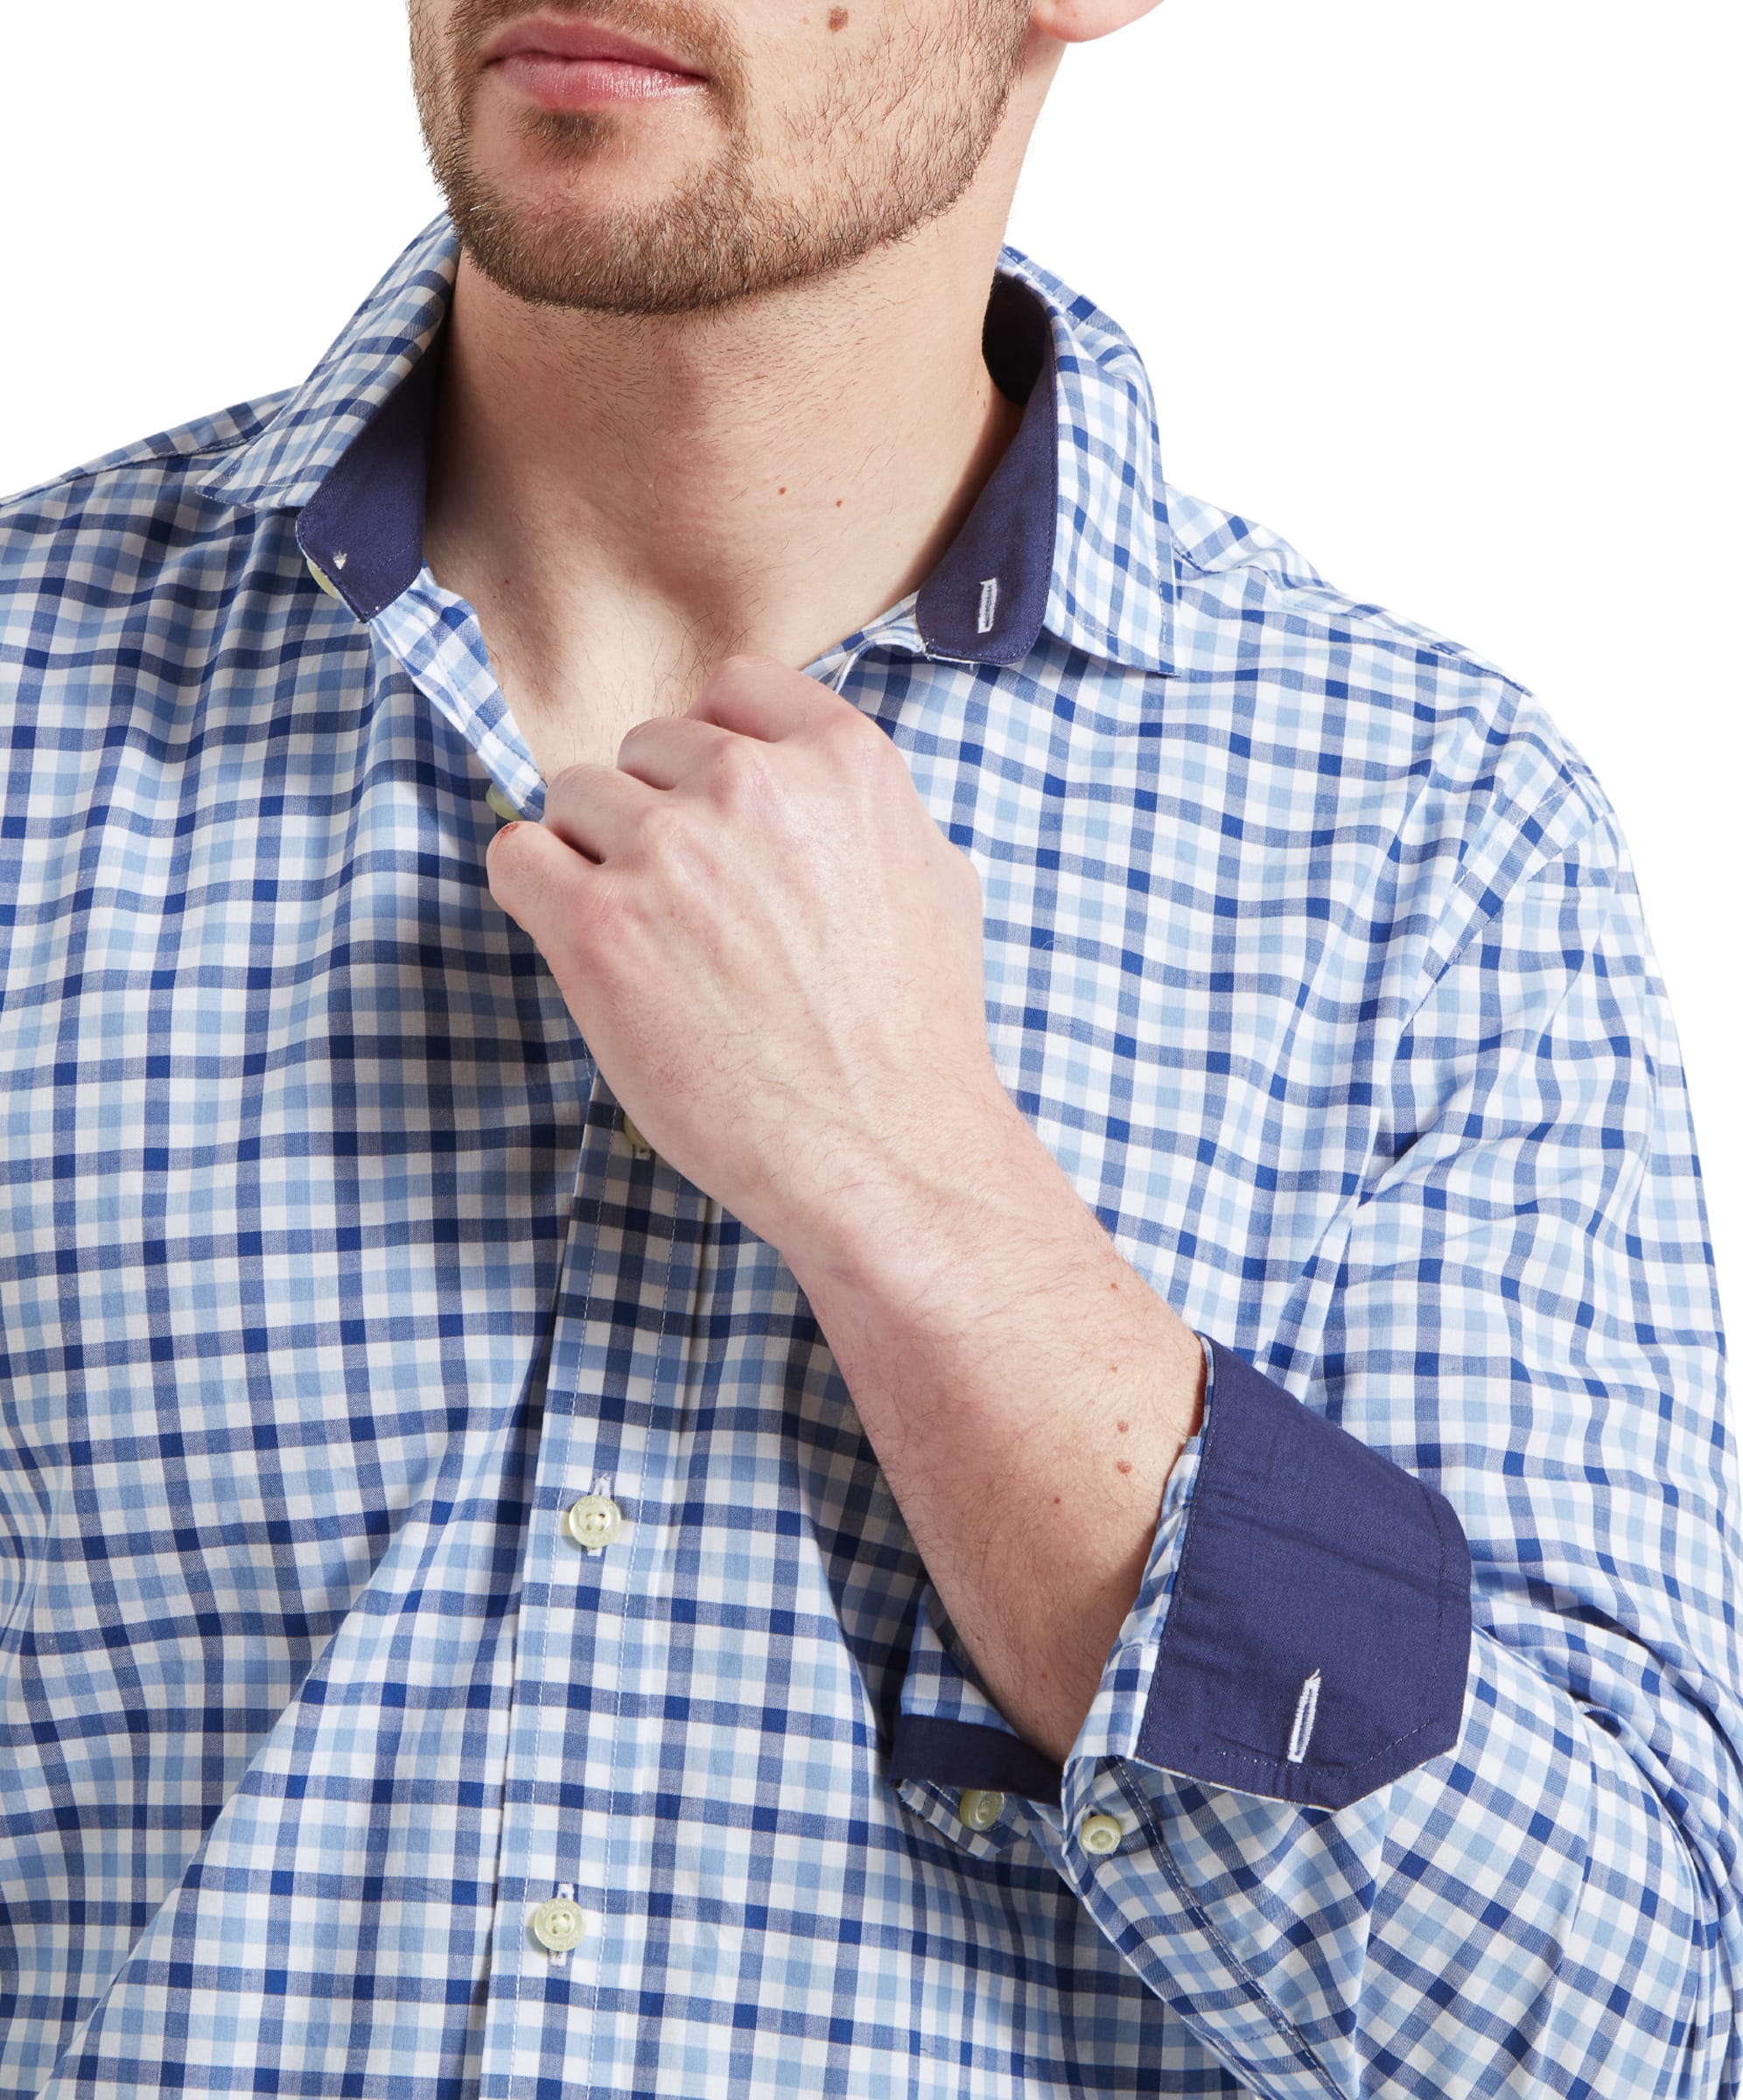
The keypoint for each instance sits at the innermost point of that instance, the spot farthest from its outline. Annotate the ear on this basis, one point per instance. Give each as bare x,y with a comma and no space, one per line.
1083,21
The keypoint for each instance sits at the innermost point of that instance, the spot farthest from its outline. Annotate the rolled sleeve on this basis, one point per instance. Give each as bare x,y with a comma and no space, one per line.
1379,1797
948,1732
1302,1630
1316,1642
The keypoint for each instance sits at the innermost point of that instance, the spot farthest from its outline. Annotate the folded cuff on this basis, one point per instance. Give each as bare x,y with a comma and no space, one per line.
1302,1631
1318,1636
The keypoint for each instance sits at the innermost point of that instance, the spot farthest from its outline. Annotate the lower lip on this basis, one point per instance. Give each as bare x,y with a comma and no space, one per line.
573,83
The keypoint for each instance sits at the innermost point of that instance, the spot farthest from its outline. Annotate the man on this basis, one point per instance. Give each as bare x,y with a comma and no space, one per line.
989,1365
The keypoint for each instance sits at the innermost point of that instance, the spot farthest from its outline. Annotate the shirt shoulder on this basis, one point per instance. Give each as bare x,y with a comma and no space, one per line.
120,490
1366,711
187,446
124,545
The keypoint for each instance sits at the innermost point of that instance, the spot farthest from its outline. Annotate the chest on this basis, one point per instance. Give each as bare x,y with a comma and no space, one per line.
333,1281
262,1009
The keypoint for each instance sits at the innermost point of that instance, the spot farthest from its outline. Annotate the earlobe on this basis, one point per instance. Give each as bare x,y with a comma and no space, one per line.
1083,21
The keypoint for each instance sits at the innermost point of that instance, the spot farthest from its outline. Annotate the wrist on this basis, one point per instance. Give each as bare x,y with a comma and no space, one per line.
980,1184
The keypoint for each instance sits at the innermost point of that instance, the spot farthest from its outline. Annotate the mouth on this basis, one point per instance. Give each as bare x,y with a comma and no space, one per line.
567,65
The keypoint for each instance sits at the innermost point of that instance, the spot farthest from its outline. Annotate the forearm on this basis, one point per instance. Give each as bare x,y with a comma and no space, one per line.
1027,1392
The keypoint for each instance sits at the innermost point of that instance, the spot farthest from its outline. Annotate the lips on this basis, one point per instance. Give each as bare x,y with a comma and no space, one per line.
575,41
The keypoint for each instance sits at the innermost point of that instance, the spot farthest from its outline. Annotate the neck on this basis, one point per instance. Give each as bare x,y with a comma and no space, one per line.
627,499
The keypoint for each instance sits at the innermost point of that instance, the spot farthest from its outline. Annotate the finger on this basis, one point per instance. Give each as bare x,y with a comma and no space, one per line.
759,698
595,809
543,884
667,749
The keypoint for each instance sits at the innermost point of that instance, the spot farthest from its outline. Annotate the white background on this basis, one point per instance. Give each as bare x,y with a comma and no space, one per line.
1437,288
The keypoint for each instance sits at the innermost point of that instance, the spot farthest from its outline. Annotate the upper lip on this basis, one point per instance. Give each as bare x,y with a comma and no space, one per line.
577,40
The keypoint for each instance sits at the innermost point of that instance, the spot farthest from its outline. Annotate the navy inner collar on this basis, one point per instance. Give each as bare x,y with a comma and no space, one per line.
363,527
984,602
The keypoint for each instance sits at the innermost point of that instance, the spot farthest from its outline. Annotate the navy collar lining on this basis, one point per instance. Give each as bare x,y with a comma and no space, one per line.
363,527
986,599
984,602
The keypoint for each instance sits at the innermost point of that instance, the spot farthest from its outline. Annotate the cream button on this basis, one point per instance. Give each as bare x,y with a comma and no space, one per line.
321,577
1100,1834
638,1143
559,1924
979,1807
593,1521
497,800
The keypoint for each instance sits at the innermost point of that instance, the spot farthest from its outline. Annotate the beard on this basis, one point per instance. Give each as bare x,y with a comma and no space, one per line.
889,140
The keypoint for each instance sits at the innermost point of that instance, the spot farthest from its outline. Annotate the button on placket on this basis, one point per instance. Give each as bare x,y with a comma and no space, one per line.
560,1924
556,1817
615,1410
1100,1834
633,1138
593,1521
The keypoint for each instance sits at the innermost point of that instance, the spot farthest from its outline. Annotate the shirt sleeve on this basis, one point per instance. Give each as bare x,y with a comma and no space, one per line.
1414,1769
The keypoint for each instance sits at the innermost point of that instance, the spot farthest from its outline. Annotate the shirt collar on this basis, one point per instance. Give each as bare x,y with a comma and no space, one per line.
1070,534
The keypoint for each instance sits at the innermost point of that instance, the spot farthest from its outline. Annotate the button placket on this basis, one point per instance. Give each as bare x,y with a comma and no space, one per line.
605,1474
571,1614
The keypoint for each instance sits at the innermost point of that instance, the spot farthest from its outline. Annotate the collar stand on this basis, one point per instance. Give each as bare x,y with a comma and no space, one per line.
984,602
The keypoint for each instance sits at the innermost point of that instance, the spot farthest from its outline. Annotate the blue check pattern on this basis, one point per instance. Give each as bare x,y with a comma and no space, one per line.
330,1279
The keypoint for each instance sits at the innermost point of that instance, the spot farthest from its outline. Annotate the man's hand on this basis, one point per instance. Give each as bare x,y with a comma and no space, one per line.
775,956
772,951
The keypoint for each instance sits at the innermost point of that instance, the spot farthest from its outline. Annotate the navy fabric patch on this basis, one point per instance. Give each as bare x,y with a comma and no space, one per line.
986,599
1318,1633
363,527
963,1753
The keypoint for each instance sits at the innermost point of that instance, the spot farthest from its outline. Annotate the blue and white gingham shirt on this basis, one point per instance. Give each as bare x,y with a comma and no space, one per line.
331,1281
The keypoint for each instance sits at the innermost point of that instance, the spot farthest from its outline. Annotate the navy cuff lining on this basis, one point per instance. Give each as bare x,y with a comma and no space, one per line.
1318,1633
965,1754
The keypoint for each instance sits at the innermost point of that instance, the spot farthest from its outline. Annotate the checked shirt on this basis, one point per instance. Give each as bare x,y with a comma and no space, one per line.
455,1638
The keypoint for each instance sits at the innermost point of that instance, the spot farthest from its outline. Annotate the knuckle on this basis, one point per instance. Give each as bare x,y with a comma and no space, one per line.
846,732
739,768
733,673
747,662
566,789
666,838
